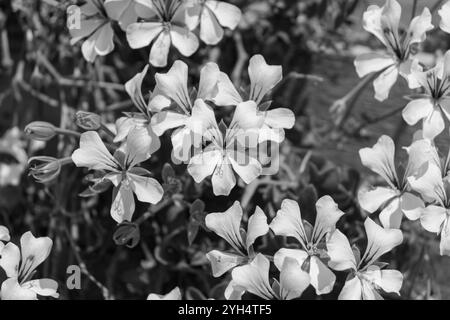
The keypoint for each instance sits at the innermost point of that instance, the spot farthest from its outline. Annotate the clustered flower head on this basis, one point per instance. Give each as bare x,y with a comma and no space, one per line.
160,24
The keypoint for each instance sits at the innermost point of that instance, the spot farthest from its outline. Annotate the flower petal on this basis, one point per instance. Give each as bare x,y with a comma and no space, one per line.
293,280
254,277
174,84
419,26
160,50
34,252
227,14
340,253
444,13
367,63
257,227
352,289
10,260
11,290
93,154
388,280
263,77
221,262
429,183
434,124
43,287
227,225
209,78
432,218
184,40
411,205
372,200
380,159
384,83
147,190
227,94
391,216
417,110
288,222
379,241
223,179
211,31
4,234
322,278
203,165
123,206
328,214
141,34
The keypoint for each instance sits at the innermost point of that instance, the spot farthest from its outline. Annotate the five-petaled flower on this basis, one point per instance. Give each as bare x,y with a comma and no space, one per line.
212,16
288,222
165,25
396,199
121,169
434,104
383,23
20,265
366,276
227,225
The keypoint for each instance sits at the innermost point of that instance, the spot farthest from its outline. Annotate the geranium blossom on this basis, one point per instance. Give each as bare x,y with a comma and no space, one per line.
366,277
227,225
396,199
383,23
165,25
95,27
191,116
434,104
19,266
288,222
227,154
263,78
254,278
121,169
212,16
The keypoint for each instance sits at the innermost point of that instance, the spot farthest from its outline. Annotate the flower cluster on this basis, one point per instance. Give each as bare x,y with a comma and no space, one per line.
159,23
320,249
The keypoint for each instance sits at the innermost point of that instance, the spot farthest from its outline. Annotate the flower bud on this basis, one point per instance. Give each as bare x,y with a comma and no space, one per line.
88,121
127,233
39,130
44,169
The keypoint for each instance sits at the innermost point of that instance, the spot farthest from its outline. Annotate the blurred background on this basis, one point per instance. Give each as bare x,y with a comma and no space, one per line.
43,77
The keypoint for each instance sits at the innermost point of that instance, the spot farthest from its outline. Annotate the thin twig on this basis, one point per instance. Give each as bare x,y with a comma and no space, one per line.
105,292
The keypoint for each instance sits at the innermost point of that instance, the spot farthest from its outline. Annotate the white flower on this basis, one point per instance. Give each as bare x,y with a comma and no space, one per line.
288,222
366,277
434,189
225,155
434,104
95,28
395,200
121,171
164,25
175,294
14,158
254,278
444,14
263,78
227,225
193,116
212,16
19,266
384,24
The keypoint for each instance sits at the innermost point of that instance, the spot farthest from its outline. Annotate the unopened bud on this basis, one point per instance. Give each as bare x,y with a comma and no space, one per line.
88,121
39,130
44,169
127,234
